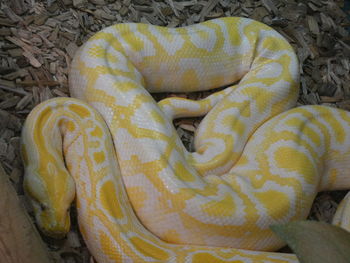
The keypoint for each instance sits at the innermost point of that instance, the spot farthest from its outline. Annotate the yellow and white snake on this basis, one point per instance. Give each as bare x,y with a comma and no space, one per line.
141,196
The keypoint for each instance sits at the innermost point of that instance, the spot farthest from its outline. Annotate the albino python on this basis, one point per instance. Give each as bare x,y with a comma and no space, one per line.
140,195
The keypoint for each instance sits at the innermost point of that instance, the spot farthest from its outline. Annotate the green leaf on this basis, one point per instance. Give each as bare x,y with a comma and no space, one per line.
316,242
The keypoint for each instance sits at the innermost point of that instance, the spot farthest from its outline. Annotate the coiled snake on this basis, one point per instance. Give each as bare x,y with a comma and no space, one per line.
144,197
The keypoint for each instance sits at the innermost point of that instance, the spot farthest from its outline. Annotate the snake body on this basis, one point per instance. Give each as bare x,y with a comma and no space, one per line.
141,196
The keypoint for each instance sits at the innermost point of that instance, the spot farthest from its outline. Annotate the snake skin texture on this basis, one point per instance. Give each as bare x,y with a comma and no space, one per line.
140,195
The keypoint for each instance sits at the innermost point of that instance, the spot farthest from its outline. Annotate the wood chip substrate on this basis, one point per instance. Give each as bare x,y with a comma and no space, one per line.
38,39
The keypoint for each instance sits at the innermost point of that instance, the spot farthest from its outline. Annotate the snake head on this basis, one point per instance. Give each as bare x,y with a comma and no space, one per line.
51,192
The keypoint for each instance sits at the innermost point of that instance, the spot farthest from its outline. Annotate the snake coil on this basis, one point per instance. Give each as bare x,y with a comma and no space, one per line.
140,195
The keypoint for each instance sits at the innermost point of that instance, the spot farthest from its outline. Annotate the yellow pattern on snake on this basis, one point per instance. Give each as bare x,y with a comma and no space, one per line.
141,196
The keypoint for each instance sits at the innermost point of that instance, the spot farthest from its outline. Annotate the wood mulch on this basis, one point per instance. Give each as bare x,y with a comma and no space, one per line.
39,38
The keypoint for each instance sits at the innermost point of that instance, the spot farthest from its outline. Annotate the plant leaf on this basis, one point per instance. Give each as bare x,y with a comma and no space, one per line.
316,242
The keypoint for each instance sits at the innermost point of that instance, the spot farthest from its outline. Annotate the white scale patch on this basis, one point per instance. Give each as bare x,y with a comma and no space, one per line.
171,45
270,70
214,147
193,208
147,150
207,42
174,183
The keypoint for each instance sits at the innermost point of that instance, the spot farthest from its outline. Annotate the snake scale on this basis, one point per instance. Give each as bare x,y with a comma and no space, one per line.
140,195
